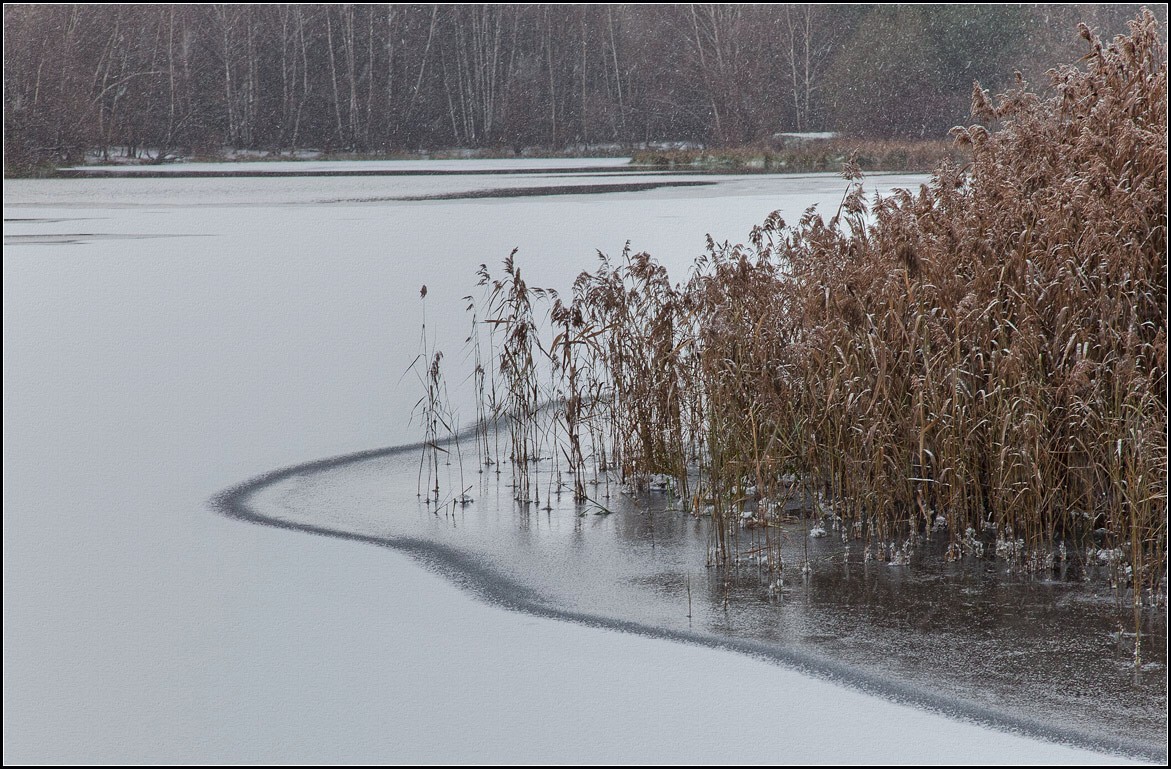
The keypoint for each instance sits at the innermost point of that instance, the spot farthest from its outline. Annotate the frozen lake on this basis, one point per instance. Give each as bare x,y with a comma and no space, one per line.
167,338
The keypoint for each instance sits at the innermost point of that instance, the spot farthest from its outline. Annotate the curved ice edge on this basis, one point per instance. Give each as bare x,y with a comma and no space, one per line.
481,580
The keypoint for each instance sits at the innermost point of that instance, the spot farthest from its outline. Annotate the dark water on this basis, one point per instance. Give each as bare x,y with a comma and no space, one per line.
1051,655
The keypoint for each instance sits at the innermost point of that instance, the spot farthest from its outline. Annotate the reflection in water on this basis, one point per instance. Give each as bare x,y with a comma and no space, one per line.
1056,648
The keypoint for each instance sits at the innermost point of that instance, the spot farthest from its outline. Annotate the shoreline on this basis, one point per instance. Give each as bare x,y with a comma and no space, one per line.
796,157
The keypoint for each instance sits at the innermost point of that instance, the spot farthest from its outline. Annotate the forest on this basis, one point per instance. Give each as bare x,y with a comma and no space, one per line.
160,81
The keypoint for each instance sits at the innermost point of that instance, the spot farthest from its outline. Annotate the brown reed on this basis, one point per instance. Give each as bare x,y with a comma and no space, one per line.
986,355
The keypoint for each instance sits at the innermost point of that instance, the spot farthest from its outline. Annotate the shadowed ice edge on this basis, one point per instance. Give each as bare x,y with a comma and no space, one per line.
485,583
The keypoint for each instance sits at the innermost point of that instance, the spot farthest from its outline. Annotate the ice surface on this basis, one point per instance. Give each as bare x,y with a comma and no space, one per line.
262,325
1015,650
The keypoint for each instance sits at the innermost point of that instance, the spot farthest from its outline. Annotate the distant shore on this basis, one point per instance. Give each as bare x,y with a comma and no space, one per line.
775,156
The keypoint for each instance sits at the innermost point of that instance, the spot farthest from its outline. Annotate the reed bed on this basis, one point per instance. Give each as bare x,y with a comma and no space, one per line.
984,359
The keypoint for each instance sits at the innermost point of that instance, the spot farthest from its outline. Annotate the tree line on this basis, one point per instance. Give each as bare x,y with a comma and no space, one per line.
181,79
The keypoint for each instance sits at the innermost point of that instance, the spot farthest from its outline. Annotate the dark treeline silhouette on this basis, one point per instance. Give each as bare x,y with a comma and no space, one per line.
162,80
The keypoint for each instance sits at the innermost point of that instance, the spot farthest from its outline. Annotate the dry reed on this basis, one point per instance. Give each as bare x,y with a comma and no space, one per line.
986,356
